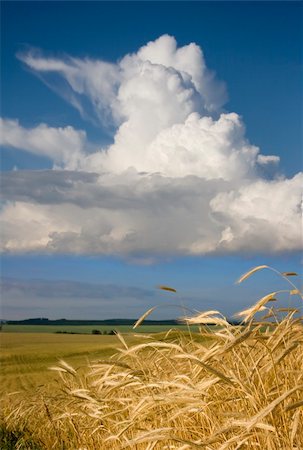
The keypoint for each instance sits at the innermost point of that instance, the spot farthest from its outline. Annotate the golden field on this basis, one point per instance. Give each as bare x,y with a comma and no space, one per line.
26,357
225,387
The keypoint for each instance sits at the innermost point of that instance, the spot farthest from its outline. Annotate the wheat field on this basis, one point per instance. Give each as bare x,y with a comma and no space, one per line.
226,387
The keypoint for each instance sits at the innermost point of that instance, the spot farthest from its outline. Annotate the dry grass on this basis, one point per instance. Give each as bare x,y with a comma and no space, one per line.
227,388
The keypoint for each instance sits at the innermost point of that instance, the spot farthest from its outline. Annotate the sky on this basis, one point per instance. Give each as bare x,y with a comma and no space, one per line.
147,144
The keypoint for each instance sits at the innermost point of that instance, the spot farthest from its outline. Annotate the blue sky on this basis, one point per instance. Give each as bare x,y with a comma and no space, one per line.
177,217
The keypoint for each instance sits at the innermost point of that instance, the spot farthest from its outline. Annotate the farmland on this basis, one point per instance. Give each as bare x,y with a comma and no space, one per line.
224,388
239,385
27,351
86,329
26,357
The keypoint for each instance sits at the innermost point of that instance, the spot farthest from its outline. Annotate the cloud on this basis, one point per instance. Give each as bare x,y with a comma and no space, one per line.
268,159
179,178
148,215
110,214
55,299
48,298
200,146
78,81
64,146
262,216
71,289
159,74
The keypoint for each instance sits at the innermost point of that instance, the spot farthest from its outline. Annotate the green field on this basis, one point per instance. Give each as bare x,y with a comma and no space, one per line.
87,329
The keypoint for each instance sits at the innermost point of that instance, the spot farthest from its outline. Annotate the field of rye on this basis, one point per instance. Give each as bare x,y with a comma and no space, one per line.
226,387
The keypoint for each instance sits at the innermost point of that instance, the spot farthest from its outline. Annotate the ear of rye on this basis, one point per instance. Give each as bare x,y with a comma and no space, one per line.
143,317
289,274
250,272
167,288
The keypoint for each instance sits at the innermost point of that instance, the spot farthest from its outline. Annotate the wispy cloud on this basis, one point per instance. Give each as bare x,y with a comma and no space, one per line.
72,289
35,297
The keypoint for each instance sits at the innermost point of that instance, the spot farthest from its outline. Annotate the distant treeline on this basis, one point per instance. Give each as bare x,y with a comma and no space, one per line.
45,321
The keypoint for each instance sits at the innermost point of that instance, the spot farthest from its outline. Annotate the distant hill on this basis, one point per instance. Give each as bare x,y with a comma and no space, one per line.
45,321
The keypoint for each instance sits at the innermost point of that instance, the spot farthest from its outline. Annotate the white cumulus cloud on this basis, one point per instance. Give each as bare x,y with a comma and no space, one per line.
159,74
64,146
262,215
180,176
